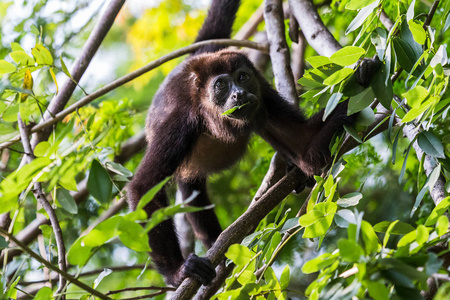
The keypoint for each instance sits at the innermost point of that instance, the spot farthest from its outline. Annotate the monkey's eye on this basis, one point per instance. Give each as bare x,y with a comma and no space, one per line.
243,77
219,84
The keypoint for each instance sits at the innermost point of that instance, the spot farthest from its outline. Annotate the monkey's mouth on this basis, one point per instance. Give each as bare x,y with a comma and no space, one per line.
244,111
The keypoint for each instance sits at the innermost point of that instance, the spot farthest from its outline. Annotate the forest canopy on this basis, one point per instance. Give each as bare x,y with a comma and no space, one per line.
77,78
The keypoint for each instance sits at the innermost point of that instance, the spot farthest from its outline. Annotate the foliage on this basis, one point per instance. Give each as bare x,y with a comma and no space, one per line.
369,223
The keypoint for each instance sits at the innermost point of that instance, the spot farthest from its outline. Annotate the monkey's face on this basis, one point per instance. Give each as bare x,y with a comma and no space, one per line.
236,95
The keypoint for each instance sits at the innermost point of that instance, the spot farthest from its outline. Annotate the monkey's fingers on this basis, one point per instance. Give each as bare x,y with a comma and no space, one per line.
199,268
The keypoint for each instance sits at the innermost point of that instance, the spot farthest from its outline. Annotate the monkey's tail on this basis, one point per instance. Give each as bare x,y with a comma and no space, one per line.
218,24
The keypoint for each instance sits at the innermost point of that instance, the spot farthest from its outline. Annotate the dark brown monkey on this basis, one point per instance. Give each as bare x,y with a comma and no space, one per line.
189,137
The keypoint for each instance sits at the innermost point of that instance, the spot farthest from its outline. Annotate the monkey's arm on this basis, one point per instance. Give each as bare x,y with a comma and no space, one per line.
170,142
305,143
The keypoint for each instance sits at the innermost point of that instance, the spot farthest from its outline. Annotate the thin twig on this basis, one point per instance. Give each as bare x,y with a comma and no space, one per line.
90,273
40,196
46,263
141,288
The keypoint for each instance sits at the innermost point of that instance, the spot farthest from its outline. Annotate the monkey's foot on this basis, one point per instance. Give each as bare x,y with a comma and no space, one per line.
196,267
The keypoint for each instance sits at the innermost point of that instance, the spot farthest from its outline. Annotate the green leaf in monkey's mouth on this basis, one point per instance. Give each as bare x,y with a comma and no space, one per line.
234,108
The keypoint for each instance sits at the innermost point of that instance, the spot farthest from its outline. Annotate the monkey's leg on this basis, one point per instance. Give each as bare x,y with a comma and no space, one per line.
205,223
166,253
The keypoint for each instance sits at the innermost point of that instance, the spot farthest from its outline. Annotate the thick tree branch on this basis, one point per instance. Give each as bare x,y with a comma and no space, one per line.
242,227
313,28
279,51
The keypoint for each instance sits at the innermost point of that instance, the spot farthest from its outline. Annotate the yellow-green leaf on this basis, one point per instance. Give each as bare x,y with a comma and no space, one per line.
6,67
54,79
417,31
347,55
338,76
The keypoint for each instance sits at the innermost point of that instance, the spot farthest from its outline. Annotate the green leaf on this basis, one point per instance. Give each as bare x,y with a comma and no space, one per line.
347,56
285,277
6,129
6,67
44,293
361,17
331,105
318,221
151,194
406,56
234,108
64,67
357,4
239,254
103,232
382,89
366,117
360,101
438,211
353,133
338,76
79,253
422,234
99,184
100,277
442,225
66,201
430,144
22,58
369,237
415,96
246,277
45,55
417,31
407,239
319,263
417,111
344,217
400,228
41,148
16,47
118,169
350,199
318,61
349,250
34,30
377,290
134,236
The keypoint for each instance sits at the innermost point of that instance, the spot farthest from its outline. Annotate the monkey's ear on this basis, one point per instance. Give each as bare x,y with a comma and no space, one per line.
195,80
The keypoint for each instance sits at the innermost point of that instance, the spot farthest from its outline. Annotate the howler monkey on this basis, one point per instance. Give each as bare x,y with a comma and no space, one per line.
189,137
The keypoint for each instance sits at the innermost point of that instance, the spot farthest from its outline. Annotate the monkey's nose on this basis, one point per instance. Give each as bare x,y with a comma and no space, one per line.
239,97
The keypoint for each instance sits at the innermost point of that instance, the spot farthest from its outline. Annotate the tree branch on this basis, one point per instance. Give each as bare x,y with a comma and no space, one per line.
279,51
40,197
67,276
313,28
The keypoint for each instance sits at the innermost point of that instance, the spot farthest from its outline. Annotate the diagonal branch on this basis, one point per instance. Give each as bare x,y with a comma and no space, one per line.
46,263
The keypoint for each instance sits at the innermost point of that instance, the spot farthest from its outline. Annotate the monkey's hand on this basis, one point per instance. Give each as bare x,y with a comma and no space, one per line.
196,267
367,68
